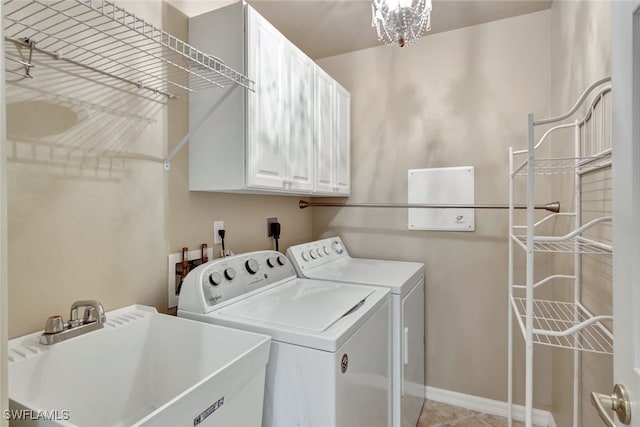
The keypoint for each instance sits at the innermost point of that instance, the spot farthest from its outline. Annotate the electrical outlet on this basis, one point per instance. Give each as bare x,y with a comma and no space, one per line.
175,263
217,225
269,222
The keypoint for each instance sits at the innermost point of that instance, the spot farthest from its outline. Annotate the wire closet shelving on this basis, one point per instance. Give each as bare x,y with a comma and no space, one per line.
106,38
543,320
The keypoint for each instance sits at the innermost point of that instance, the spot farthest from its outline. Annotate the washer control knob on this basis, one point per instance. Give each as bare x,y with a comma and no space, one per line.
320,253
304,255
230,273
337,246
271,262
312,254
252,266
215,278
280,259
325,250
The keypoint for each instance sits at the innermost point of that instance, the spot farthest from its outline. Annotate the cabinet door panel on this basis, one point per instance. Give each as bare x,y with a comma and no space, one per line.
342,126
325,155
299,115
265,117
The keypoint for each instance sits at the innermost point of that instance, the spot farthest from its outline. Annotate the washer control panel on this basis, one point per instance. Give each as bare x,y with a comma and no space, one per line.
313,254
222,279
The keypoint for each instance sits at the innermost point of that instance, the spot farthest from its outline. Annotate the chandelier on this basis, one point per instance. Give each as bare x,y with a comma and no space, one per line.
401,21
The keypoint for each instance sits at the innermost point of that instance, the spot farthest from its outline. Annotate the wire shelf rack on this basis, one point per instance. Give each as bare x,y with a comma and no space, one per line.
104,37
565,165
574,245
562,324
566,325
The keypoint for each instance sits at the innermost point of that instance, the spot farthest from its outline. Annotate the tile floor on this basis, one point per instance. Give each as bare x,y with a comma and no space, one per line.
436,414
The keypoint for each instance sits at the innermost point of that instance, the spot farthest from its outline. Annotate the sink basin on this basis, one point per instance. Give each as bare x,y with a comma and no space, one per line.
142,369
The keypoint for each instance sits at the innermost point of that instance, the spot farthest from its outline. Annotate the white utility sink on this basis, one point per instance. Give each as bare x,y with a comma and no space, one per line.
141,369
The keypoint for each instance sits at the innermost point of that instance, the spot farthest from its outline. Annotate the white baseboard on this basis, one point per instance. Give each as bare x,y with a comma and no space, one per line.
487,406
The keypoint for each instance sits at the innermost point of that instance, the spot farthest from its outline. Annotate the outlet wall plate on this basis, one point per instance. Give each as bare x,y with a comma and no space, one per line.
217,225
269,222
174,259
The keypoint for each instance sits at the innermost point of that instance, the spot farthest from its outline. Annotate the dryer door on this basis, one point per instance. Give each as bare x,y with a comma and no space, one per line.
413,391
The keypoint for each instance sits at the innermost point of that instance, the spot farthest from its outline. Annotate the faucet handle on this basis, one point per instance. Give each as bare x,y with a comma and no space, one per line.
54,324
90,315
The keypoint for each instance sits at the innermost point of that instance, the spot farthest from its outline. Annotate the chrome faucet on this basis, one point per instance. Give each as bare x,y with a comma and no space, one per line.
93,312
93,318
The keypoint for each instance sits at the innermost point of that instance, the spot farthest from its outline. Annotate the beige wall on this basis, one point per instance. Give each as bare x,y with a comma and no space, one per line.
580,55
454,99
91,212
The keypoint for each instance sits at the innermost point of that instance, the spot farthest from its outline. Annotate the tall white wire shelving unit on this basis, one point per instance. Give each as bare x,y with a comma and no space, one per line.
565,324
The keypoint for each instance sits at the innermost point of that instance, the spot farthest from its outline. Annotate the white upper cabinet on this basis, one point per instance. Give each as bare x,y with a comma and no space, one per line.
266,118
299,107
332,128
267,141
325,136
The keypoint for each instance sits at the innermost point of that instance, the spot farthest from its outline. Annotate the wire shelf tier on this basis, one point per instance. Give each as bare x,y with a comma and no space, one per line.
565,165
104,37
574,245
566,325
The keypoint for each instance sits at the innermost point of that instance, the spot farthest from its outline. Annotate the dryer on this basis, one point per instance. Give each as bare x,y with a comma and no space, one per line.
330,353
328,259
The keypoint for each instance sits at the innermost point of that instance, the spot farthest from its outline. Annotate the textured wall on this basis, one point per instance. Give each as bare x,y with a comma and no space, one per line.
454,99
91,212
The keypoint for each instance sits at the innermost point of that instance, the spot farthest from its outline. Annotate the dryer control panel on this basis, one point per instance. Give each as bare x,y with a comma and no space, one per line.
313,254
218,281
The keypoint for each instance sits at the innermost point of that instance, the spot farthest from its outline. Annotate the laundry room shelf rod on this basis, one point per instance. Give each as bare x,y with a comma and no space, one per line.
551,207
101,36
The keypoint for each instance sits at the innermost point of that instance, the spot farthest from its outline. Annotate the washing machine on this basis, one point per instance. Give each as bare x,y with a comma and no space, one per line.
330,353
328,259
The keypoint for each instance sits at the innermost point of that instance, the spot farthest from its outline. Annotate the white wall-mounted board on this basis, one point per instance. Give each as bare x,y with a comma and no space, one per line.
441,186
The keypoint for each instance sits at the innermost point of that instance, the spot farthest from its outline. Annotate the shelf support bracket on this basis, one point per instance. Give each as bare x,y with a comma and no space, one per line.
28,64
185,140
27,67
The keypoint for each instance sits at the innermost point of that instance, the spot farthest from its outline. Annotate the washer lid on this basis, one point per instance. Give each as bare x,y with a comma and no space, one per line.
399,276
310,305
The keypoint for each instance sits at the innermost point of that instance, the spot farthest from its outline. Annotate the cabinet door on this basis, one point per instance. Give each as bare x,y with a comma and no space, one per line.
265,116
342,129
324,133
299,106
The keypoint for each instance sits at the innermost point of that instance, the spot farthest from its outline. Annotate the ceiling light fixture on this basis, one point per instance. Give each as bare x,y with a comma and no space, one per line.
401,21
